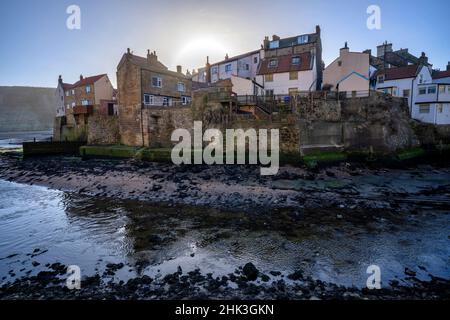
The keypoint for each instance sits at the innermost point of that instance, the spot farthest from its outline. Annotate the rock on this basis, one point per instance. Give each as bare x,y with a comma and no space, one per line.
265,278
35,263
250,271
409,272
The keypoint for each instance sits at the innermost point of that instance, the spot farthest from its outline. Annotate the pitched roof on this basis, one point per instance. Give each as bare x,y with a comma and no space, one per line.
399,72
441,74
236,57
285,65
83,82
153,65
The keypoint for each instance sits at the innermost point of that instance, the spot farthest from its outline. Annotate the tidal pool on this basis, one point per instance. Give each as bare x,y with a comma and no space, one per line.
40,226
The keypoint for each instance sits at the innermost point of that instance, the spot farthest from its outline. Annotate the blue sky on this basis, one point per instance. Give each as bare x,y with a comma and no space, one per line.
36,46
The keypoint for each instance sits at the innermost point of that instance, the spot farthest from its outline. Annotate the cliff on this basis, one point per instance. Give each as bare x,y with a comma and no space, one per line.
26,108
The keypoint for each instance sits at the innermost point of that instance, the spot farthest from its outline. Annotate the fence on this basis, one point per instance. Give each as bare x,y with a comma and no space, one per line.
51,148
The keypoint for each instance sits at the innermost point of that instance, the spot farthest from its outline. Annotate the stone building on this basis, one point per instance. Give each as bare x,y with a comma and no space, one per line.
146,85
291,64
79,101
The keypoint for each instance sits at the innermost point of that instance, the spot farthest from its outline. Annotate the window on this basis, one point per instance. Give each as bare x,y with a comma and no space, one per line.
340,63
421,78
268,77
67,93
181,87
228,67
381,79
148,100
431,90
406,93
88,89
422,90
214,70
274,44
273,63
303,39
269,92
255,60
441,89
73,104
85,102
295,60
246,67
440,107
157,82
185,100
293,75
73,92
424,108
166,101
293,92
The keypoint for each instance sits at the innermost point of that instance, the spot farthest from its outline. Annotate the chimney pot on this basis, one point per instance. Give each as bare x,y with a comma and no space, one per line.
448,66
226,56
81,77
128,50
317,29
179,69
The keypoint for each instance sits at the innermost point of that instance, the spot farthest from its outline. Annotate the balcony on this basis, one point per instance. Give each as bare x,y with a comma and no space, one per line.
83,109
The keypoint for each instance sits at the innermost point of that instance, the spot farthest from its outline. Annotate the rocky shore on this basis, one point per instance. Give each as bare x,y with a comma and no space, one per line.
225,187
357,196
245,283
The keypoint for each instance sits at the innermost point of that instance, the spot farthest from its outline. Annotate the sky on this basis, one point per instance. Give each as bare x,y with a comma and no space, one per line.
36,46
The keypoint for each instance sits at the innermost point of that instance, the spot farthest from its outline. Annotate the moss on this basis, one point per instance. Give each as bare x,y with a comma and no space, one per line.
108,151
410,154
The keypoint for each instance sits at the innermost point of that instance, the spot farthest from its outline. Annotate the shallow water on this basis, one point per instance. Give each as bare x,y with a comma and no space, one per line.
43,226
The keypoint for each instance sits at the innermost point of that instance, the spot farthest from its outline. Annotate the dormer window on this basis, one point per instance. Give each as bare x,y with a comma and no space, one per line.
274,44
303,39
273,63
295,60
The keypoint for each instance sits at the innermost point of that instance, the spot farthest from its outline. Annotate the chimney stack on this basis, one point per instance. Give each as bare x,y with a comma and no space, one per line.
151,56
318,29
128,50
368,51
423,60
81,77
383,48
275,37
226,56
448,66
60,80
345,48
208,71
179,69
266,42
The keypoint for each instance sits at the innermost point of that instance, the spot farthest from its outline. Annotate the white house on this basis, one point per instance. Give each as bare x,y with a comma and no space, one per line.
402,81
288,74
432,98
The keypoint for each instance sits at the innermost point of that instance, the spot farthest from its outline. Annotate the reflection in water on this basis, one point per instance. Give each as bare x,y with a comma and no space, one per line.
38,225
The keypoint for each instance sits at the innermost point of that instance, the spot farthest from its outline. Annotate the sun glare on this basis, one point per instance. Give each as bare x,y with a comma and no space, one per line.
194,53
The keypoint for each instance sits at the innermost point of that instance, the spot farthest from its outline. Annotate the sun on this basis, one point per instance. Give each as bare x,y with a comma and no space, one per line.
193,54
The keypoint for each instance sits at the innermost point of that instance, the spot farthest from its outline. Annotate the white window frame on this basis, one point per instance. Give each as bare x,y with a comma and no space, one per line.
228,67
422,91
185,100
274,44
214,70
166,101
303,39
158,82
275,64
88,89
85,102
181,87
429,89
151,100
380,78
297,58
422,109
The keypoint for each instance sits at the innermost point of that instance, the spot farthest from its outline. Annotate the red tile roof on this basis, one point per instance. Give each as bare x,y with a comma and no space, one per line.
285,65
441,74
83,82
399,73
